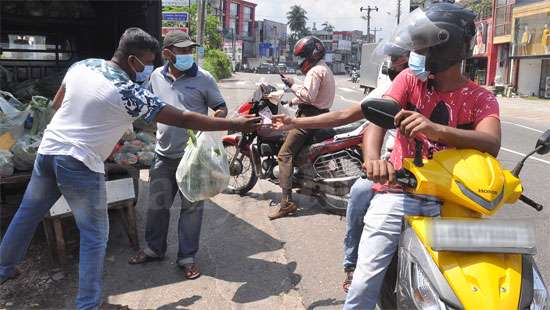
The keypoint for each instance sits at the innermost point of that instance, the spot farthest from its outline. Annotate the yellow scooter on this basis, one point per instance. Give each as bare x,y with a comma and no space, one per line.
462,259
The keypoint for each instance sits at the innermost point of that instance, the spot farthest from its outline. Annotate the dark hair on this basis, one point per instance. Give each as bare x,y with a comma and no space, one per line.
135,41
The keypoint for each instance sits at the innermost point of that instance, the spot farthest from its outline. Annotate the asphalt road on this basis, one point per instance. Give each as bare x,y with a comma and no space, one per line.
249,262
317,241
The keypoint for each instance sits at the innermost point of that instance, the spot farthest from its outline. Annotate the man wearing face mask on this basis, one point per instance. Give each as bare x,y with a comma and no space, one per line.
96,103
438,102
181,83
361,192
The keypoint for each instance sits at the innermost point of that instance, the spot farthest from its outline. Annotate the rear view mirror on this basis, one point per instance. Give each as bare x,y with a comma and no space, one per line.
543,143
380,112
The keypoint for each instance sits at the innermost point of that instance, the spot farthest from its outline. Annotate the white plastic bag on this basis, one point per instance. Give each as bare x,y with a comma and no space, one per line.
24,152
6,164
11,119
203,171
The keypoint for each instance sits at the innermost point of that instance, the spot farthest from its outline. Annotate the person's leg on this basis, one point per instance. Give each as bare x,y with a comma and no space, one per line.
379,242
162,191
86,195
294,142
189,230
360,196
41,193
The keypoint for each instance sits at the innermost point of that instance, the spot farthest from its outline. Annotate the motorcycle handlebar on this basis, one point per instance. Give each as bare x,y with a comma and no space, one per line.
528,201
403,177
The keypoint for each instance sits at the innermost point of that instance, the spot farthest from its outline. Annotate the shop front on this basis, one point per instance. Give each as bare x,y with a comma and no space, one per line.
480,47
531,49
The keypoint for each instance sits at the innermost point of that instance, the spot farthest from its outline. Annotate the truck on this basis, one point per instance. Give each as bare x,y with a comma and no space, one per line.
40,40
372,71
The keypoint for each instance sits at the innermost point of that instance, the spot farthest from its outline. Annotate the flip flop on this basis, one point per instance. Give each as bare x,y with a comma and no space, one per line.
141,258
191,271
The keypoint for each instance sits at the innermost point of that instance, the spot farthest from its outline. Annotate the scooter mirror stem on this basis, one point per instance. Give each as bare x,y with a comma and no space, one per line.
519,166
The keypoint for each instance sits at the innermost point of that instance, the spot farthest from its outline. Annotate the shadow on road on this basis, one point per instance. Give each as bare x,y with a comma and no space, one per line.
325,303
232,250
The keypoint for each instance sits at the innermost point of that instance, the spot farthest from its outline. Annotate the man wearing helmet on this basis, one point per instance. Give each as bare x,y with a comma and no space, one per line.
439,102
361,192
314,97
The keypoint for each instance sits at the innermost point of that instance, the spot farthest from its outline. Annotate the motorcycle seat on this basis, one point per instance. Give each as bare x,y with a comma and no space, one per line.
338,132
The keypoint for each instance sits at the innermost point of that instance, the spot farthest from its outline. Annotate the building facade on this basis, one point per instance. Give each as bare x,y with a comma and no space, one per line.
272,42
530,48
239,30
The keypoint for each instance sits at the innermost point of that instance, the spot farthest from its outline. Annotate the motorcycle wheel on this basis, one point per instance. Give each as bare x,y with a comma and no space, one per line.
242,175
333,204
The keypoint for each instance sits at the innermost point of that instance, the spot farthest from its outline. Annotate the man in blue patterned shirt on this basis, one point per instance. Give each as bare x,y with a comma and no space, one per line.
97,101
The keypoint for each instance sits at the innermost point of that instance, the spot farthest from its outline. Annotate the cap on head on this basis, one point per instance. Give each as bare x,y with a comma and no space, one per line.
178,38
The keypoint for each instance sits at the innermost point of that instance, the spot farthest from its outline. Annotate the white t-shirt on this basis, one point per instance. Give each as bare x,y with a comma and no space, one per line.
100,104
379,92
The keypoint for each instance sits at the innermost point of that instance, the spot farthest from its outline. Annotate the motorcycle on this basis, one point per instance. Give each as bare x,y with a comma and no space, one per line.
325,169
462,259
355,77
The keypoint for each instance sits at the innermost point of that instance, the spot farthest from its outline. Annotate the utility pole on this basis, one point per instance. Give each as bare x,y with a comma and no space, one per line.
368,9
201,16
398,10
375,30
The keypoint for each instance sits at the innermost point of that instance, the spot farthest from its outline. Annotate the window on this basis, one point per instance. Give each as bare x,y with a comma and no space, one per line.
247,14
34,47
503,18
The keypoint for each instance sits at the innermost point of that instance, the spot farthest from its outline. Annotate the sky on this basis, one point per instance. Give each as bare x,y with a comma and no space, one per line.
342,14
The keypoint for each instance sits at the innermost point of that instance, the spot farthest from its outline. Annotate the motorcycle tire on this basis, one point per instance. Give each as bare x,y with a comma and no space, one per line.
334,207
249,183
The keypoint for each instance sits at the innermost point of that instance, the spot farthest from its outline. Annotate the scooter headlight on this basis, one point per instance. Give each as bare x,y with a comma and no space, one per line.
424,295
540,293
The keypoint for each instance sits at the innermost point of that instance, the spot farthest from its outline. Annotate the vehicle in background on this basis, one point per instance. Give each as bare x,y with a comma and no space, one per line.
282,68
265,68
370,68
290,70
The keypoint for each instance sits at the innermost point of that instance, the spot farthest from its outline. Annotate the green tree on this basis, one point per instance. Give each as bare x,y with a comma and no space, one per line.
215,60
327,27
483,8
297,21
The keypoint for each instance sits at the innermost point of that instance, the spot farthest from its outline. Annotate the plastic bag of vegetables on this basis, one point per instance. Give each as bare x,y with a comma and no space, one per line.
24,152
42,113
6,164
203,172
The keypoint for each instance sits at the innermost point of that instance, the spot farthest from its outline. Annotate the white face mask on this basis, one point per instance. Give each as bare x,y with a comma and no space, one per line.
145,74
417,64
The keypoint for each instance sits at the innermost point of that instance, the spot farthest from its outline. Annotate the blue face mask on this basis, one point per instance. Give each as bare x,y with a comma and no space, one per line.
145,74
184,62
417,64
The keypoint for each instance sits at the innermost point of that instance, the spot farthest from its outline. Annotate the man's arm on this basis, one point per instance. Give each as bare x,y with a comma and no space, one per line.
376,169
171,116
58,99
221,111
326,120
485,137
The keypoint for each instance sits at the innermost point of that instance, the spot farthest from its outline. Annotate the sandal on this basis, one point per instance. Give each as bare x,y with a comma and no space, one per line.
347,282
191,271
141,258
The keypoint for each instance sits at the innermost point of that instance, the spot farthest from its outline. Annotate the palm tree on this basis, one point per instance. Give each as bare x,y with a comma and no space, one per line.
297,19
327,27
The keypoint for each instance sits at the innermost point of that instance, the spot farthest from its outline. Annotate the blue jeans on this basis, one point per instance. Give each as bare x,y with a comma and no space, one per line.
360,195
162,191
379,243
84,190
